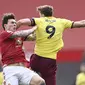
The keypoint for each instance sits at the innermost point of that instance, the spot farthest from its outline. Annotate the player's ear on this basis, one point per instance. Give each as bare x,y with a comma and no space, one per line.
5,25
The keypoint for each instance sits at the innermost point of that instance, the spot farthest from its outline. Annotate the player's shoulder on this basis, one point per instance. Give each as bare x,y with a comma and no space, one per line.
5,32
80,75
61,19
36,18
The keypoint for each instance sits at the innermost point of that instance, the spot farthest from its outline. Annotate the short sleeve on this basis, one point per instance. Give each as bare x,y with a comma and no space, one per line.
35,21
66,23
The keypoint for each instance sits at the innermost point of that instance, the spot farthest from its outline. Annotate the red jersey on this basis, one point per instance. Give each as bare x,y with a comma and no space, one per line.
11,49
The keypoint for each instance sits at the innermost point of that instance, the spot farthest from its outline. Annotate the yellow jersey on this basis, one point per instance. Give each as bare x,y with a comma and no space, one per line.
1,78
80,79
49,35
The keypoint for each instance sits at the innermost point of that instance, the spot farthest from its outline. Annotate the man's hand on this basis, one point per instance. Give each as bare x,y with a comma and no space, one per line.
32,36
34,28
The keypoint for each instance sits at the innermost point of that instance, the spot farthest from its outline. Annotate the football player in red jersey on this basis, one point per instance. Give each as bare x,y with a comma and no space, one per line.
13,57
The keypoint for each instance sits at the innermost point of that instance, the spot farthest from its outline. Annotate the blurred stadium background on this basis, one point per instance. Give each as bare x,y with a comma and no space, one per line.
70,57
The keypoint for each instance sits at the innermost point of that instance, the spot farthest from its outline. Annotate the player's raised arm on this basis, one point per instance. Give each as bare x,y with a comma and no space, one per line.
25,21
78,24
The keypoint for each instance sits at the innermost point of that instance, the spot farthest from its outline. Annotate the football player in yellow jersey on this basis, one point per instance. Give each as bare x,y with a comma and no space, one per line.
80,78
49,41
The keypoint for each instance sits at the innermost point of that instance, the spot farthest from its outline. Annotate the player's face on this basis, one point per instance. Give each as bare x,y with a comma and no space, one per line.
11,25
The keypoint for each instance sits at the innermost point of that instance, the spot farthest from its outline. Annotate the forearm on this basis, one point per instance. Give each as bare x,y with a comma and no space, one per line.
22,33
78,24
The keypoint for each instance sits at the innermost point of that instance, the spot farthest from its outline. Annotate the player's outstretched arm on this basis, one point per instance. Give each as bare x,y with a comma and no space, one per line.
78,24
25,21
23,33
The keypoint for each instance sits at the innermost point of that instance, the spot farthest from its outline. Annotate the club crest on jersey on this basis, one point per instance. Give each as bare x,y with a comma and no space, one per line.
19,42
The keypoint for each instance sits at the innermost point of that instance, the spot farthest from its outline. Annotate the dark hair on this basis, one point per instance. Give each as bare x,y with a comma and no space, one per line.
46,10
6,17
